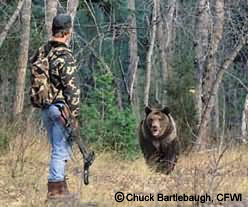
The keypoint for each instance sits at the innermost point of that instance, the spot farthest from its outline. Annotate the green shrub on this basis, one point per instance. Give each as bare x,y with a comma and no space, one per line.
104,124
116,131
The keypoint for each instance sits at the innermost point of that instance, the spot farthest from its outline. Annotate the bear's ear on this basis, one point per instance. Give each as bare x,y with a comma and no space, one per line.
148,110
166,110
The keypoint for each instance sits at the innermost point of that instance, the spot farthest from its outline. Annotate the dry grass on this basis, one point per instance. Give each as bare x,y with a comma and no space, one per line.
24,169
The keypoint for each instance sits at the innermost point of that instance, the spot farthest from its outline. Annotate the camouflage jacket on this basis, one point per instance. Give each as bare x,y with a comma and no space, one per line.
65,83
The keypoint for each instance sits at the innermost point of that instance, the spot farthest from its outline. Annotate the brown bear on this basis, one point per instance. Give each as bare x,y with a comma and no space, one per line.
158,139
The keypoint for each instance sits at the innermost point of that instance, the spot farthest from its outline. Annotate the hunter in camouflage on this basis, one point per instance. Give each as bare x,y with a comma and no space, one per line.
64,85
63,92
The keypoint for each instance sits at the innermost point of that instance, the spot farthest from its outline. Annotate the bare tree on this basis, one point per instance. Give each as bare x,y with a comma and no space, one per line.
23,58
10,22
72,6
201,47
165,40
217,25
133,49
206,61
51,11
150,53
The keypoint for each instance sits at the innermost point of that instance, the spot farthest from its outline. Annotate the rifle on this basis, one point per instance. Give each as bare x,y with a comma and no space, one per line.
73,131
88,156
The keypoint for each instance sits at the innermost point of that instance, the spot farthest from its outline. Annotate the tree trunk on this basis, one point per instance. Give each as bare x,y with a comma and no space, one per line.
10,22
215,127
133,49
209,74
72,6
244,125
201,47
222,135
51,12
216,36
119,95
165,39
5,94
150,53
23,58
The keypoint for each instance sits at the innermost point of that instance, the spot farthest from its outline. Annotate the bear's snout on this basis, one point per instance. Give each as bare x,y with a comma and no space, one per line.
155,128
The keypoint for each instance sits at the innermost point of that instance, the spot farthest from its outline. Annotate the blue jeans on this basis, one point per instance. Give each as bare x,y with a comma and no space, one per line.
60,147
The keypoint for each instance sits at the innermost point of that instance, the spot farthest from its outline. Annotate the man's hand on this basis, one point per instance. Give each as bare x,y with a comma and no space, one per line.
75,123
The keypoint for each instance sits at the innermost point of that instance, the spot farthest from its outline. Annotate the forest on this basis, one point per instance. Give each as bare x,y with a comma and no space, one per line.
189,55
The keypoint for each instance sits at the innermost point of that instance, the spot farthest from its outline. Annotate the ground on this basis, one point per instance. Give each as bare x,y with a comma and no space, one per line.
24,169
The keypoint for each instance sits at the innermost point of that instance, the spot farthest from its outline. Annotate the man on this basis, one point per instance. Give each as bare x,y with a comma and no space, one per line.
65,93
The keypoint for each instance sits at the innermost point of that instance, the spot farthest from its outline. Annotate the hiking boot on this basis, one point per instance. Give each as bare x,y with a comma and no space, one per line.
59,190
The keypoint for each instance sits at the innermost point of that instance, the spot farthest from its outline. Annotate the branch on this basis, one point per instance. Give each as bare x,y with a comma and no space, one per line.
133,79
149,54
93,16
11,21
236,78
123,77
99,58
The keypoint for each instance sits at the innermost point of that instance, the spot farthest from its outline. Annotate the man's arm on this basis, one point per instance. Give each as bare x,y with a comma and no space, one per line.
70,84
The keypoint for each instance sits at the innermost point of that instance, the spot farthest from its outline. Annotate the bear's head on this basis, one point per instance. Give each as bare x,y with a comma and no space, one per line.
157,121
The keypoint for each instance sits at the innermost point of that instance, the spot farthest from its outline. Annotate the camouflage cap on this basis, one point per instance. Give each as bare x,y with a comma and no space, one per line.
61,22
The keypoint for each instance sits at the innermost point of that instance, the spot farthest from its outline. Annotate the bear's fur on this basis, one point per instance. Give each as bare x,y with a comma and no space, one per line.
158,139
